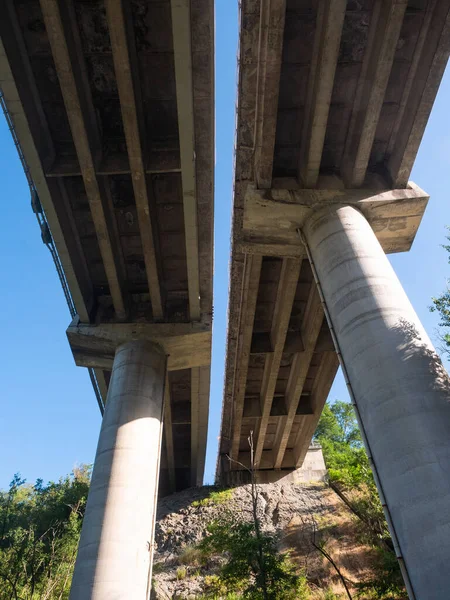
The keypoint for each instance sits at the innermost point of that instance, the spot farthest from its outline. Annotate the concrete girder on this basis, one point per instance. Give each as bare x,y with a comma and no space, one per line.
133,135
181,27
287,287
84,134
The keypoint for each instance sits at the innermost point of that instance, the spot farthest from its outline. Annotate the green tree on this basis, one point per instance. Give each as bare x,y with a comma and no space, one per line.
39,532
441,305
343,451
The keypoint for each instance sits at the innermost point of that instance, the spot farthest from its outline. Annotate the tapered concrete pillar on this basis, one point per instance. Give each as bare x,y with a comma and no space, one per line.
400,387
114,555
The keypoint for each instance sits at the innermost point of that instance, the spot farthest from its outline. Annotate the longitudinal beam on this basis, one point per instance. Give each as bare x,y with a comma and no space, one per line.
102,386
287,286
125,86
77,121
312,323
168,436
271,31
250,286
181,28
199,421
319,394
384,32
57,216
330,20
427,68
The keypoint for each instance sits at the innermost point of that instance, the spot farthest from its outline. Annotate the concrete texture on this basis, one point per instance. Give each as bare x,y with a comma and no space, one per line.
346,97
401,389
312,470
115,551
124,172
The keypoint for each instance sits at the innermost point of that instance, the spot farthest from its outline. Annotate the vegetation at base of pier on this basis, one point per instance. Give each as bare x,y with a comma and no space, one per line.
350,476
253,566
233,557
39,532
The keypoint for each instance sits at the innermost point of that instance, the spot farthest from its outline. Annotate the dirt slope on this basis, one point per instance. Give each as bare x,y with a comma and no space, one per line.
292,511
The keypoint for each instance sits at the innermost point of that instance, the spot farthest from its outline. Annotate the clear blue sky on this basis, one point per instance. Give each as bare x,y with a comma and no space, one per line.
49,419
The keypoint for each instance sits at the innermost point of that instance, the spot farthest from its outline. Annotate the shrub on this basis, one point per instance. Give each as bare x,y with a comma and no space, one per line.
254,567
191,556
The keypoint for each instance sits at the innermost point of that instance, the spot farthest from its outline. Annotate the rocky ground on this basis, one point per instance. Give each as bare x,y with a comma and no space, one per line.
290,510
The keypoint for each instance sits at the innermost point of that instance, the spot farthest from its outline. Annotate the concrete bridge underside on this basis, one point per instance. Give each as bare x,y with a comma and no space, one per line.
113,106
333,100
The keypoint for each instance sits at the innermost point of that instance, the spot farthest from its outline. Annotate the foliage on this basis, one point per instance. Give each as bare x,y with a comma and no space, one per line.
224,596
39,531
441,305
242,569
339,436
348,465
181,573
351,477
215,497
329,595
388,583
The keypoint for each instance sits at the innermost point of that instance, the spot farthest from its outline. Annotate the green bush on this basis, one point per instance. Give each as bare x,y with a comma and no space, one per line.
254,568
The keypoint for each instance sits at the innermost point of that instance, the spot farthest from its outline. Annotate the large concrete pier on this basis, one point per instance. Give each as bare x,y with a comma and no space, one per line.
400,387
116,545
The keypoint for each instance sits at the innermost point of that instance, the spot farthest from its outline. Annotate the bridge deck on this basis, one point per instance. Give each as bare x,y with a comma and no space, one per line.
113,106
333,101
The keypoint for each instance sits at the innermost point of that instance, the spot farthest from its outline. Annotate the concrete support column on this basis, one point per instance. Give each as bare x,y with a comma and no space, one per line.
400,387
115,551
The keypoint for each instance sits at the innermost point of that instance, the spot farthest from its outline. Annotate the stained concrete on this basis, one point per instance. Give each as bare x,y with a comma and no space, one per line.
400,386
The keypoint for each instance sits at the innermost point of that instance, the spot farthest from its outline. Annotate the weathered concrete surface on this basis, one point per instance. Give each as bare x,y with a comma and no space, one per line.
115,551
313,470
401,389
333,101
112,103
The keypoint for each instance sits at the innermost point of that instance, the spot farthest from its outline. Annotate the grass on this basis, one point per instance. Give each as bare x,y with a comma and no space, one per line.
216,497
191,556
181,573
158,568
